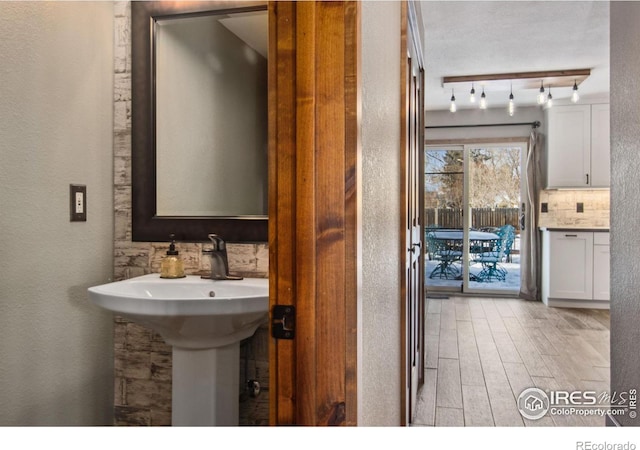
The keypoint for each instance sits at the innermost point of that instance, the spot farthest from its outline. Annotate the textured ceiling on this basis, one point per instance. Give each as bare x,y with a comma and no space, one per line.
483,37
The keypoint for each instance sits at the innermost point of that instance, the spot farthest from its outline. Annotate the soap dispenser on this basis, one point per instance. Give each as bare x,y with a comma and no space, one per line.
172,265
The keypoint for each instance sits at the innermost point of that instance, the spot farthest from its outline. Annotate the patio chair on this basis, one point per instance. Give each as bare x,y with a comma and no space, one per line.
508,233
490,258
428,229
447,252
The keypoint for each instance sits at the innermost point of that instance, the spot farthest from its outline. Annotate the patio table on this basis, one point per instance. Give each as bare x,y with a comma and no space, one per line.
458,235
452,242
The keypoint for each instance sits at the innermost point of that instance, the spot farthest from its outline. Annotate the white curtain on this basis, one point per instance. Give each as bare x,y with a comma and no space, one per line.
530,245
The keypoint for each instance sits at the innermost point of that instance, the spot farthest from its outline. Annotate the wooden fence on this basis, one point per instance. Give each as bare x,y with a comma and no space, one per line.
480,217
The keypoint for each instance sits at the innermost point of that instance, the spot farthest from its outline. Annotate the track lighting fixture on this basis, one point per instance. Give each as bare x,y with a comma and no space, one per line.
483,100
512,105
527,86
541,97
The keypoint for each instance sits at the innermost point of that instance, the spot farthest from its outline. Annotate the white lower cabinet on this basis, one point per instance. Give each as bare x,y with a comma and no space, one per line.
575,269
571,265
601,273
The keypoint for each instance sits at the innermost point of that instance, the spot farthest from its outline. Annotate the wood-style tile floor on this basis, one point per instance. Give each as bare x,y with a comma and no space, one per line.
481,353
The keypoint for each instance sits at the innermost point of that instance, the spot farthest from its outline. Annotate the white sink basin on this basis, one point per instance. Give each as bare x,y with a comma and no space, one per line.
204,321
189,312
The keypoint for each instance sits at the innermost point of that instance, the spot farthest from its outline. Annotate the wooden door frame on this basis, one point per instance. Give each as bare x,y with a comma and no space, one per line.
314,151
314,160
410,48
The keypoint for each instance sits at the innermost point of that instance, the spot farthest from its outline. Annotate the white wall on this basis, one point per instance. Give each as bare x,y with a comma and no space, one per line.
56,89
625,192
379,368
478,116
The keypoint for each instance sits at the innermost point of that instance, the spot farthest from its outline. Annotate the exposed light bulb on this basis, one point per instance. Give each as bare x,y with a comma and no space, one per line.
472,94
541,96
549,99
452,107
574,96
512,105
483,100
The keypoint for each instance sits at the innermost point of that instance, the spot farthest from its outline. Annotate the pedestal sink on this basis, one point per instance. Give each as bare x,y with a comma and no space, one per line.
204,321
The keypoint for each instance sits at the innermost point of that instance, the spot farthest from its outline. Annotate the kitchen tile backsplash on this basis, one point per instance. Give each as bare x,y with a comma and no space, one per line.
563,206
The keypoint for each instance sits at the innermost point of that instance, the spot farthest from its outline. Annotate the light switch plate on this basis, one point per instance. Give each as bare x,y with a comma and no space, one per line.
78,202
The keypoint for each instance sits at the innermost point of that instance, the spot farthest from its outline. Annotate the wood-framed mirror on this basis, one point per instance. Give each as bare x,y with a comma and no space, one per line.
173,140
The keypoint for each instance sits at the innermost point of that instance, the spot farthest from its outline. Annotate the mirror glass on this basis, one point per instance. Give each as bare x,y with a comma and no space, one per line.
210,73
199,122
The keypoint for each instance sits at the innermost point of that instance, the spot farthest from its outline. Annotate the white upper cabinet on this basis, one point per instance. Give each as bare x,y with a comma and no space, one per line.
600,146
578,146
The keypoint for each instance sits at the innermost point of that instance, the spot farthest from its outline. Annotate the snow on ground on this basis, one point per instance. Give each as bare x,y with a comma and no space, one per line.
511,283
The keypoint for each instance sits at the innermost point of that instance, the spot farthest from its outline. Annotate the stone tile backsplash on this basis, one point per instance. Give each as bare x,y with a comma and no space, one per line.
563,206
142,358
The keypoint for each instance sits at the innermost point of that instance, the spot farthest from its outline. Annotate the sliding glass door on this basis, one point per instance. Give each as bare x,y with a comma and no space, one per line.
444,205
472,196
494,187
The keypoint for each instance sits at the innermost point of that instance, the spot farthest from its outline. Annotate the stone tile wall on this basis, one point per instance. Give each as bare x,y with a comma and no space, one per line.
562,208
142,359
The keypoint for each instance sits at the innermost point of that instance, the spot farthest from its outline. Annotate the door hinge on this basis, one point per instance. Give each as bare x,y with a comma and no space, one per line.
283,322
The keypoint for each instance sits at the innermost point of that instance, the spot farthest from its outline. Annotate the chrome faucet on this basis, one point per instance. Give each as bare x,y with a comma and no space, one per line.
219,261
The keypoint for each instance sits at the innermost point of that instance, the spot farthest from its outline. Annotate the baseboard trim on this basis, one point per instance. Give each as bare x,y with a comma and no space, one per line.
588,304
